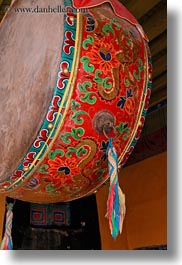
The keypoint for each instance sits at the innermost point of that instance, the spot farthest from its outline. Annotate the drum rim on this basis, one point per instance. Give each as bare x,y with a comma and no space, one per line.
133,139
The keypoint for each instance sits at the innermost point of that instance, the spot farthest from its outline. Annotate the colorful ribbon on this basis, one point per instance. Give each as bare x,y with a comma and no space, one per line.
116,200
7,243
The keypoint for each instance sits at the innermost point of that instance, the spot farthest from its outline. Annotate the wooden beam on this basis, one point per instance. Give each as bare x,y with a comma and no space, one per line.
159,65
1,2
155,23
140,7
158,97
159,82
158,44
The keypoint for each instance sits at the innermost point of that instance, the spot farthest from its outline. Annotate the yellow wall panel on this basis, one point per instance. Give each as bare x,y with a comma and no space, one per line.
145,187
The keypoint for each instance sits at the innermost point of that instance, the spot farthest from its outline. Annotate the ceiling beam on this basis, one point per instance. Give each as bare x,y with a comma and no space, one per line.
159,65
158,44
140,7
155,23
159,83
158,96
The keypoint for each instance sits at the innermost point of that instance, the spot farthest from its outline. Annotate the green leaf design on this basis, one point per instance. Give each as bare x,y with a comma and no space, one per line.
105,84
104,81
65,136
88,95
50,188
43,169
100,174
97,78
118,27
75,104
89,68
124,130
89,40
53,154
79,152
82,87
129,42
108,28
78,120
71,150
75,117
127,82
76,133
140,69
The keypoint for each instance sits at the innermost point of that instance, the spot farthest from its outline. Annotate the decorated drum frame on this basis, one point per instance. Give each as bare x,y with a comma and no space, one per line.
68,158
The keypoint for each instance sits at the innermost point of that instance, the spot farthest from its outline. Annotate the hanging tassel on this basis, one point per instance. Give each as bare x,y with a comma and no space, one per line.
7,243
116,199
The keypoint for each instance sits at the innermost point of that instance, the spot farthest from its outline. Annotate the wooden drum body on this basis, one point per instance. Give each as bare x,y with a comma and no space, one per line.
54,138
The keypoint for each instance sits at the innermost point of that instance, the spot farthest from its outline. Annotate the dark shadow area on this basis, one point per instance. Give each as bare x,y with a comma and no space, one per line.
81,231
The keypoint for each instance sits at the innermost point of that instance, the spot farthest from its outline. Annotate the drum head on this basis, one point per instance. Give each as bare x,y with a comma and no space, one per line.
30,49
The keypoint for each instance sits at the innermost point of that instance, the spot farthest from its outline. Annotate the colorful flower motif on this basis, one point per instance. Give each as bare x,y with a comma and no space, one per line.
29,159
32,183
53,109
5,185
70,16
63,170
69,42
129,106
63,75
104,55
122,101
17,174
104,149
41,138
127,103
90,26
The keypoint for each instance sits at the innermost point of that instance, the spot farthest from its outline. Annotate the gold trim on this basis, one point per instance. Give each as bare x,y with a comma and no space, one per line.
67,94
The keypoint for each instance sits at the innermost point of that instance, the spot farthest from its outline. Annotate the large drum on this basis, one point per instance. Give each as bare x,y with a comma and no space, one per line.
73,74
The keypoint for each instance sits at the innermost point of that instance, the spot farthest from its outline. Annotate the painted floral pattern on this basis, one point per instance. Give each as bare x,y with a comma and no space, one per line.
63,75
51,115
103,54
63,170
